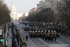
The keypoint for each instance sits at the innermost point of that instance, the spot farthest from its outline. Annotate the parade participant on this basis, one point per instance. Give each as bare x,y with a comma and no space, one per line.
55,37
39,33
26,38
51,38
34,34
46,37
42,36
58,35
45,31
30,33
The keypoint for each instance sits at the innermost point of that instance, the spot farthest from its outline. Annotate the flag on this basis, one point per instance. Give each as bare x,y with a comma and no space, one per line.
64,24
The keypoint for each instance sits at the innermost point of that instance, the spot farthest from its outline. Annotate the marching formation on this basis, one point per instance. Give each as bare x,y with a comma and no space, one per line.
47,35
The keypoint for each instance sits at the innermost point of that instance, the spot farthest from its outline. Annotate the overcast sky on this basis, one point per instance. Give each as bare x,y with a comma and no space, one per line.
22,6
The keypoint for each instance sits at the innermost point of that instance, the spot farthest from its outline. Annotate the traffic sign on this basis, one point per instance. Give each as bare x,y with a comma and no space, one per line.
2,40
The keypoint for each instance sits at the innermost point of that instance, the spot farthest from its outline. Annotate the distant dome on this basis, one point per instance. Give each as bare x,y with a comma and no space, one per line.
13,8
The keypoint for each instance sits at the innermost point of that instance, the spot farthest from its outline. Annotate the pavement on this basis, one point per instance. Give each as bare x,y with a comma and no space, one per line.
9,41
62,41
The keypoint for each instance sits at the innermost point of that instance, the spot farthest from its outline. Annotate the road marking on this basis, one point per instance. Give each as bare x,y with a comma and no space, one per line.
60,41
40,46
32,42
42,41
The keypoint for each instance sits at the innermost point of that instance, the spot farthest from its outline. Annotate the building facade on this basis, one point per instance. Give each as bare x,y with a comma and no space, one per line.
52,4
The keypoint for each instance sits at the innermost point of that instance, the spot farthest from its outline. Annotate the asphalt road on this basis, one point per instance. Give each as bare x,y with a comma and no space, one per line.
62,41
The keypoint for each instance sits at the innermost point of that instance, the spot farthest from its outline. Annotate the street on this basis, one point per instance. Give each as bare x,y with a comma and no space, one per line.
62,41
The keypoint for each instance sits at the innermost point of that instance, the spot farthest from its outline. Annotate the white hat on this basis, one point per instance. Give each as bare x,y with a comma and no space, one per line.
38,31
42,31
54,31
30,31
48,30
33,31
51,31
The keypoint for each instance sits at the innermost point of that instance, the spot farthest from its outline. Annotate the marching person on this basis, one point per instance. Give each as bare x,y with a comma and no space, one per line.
26,38
55,37
51,38
34,35
42,36
46,38
58,35
37,34
31,35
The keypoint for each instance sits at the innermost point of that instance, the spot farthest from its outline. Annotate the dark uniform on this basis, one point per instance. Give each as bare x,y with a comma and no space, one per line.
42,36
37,34
26,38
46,38
34,35
55,37
58,35
51,38
31,35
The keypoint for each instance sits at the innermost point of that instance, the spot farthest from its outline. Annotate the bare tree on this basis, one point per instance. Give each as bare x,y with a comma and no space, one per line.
4,13
44,15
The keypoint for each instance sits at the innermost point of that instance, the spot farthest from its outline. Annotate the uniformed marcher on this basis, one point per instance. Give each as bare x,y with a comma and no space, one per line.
37,34
46,38
26,38
58,35
55,37
34,35
30,33
51,38
42,36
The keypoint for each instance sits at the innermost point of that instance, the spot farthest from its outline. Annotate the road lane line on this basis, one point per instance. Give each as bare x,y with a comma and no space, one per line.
60,41
42,41
32,42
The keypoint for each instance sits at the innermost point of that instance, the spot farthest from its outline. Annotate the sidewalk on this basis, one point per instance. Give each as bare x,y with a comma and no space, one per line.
9,41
